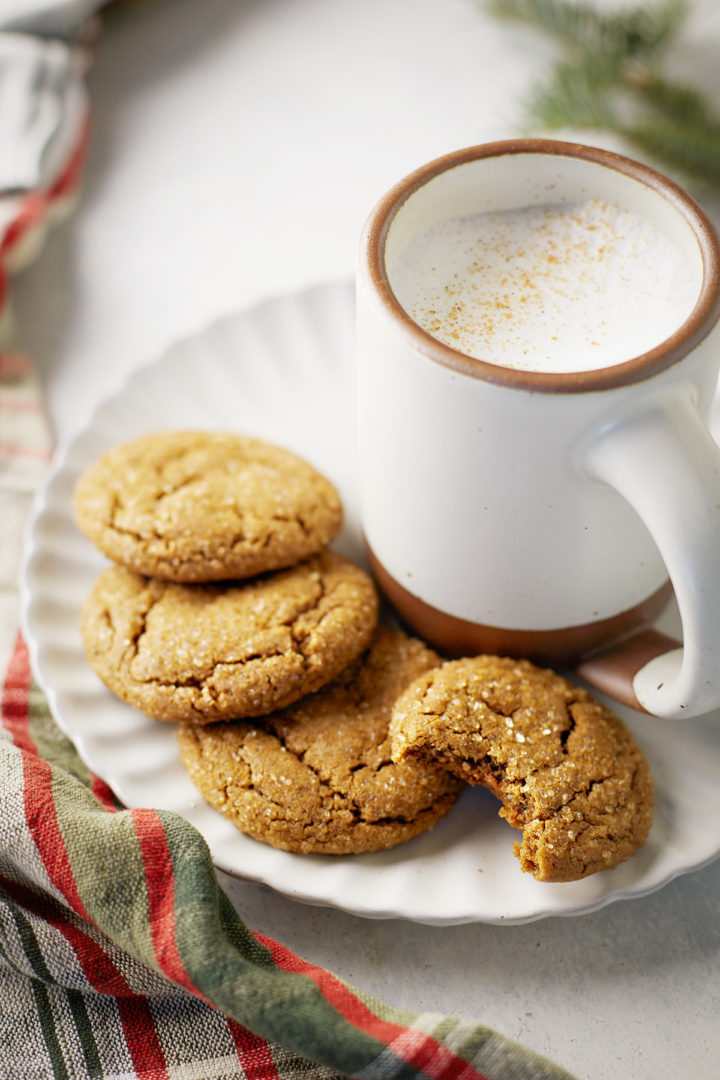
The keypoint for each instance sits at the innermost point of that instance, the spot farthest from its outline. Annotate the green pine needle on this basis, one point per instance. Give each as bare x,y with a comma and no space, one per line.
693,150
681,103
576,96
610,78
645,29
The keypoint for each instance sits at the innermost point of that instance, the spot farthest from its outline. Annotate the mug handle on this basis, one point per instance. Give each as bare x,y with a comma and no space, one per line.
665,462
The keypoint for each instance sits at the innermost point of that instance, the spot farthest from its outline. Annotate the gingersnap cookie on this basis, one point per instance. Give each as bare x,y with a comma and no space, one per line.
566,769
196,506
318,777
229,649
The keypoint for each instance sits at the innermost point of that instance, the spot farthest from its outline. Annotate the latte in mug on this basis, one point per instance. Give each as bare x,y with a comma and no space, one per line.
538,328
546,288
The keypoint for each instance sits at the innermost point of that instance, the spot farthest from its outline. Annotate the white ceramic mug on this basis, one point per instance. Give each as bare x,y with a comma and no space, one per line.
537,513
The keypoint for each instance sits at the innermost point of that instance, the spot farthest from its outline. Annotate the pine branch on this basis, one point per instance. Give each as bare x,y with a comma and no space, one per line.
681,103
695,150
610,78
643,30
576,96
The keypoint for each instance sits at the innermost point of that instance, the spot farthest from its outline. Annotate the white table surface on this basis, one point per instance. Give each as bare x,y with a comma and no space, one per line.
237,147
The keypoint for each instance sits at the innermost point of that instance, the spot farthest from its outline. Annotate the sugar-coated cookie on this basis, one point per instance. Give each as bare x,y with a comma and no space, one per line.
229,649
567,770
196,506
318,777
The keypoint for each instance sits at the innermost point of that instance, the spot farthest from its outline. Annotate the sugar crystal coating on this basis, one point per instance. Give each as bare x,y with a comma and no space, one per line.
196,506
318,776
566,769
229,649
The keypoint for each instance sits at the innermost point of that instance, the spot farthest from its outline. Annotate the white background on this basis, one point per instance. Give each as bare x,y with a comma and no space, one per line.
237,146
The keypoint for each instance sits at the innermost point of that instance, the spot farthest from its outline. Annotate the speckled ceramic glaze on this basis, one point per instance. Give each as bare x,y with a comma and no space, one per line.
537,513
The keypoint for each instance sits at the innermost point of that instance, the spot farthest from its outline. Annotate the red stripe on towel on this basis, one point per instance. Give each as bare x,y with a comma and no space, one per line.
160,888
106,978
253,1053
410,1045
16,696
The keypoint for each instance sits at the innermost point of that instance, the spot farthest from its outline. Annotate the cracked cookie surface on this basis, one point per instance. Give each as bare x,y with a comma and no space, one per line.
196,506
318,777
227,650
566,769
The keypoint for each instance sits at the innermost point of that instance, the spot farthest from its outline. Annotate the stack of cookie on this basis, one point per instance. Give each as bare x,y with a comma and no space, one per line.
306,724
226,613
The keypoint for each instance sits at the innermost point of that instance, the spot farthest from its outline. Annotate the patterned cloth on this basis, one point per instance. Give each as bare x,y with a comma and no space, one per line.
120,955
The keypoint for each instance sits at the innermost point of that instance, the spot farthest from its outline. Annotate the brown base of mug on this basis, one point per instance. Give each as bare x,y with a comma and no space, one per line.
607,653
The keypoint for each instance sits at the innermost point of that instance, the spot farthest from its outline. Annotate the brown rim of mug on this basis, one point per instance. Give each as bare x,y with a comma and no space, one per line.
698,324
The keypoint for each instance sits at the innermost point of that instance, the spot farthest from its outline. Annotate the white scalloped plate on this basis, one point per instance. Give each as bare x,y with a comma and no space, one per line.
284,371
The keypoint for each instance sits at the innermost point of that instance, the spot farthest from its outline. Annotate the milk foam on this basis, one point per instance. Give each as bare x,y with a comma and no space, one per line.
548,288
